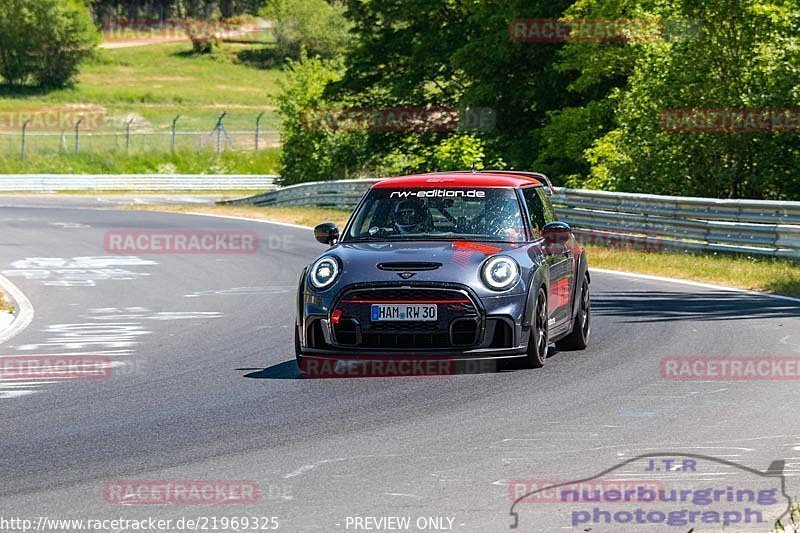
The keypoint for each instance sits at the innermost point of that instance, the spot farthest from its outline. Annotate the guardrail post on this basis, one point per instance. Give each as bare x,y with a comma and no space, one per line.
24,128
128,136
219,130
78,134
172,140
258,128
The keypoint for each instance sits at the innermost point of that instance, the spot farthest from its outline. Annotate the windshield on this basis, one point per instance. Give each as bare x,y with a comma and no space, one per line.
488,214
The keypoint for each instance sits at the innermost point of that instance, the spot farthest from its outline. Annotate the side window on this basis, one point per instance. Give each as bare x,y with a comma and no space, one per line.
365,217
539,211
549,212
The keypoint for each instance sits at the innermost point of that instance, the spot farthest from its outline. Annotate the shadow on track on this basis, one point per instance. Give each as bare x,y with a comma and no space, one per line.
285,370
441,369
645,306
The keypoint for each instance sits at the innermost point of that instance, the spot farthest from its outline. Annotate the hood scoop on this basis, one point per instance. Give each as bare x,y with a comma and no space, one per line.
408,266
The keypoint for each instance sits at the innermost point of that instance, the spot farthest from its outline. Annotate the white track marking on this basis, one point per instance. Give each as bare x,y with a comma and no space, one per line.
243,291
142,313
230,217
24,310
71,337
69,225
693,284
83,271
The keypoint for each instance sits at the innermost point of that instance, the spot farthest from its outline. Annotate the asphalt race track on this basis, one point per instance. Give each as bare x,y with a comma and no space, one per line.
204,387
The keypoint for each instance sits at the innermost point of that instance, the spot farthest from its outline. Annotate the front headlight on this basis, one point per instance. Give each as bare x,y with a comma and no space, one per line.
500,272
324,272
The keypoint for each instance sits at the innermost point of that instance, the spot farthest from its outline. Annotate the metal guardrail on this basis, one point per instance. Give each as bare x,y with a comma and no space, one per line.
642,221
135,182
342,194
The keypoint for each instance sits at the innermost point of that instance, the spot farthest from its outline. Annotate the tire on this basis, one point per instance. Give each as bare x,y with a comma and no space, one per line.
539,339
578,338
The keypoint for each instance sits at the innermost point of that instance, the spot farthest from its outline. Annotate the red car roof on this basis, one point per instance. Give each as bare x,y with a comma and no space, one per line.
494,178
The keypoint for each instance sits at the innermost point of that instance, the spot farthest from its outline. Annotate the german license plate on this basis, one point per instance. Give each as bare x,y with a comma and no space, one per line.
401,312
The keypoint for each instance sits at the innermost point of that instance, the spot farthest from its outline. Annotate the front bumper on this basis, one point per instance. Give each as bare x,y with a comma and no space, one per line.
468,327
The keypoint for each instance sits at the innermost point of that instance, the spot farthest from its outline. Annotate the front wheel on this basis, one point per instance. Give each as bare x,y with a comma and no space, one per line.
578,338
540,340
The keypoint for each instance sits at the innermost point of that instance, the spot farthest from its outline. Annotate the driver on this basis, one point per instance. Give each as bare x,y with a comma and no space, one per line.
409,216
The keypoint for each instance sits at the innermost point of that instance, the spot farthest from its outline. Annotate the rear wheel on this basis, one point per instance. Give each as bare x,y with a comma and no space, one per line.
539,340
578,338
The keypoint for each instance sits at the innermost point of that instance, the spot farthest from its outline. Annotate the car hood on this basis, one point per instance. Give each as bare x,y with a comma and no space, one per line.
459,262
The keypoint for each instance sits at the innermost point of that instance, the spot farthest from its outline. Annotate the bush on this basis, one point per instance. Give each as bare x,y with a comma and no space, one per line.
314,27
319,143
312,151
203,34
43,41
459,152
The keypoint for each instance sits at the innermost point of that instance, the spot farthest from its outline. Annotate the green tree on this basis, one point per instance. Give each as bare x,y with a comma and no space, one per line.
746,57
44,41
458,153
593,71
315,147
313,27
442,53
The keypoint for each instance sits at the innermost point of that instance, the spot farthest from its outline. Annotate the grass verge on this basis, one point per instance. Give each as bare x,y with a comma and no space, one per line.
152,84
5,304
112,162
147,87
755,273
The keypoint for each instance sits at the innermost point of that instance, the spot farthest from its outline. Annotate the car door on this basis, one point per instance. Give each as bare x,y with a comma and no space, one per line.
559,258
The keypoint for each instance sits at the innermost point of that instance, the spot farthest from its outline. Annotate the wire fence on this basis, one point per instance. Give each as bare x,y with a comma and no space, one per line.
128,139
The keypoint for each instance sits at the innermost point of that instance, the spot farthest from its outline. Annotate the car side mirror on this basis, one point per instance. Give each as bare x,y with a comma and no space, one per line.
326,233
556,233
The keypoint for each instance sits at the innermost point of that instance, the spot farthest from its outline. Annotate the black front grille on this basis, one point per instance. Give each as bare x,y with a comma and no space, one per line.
347,332
402,266
404,294
415,341
464,331
458,321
